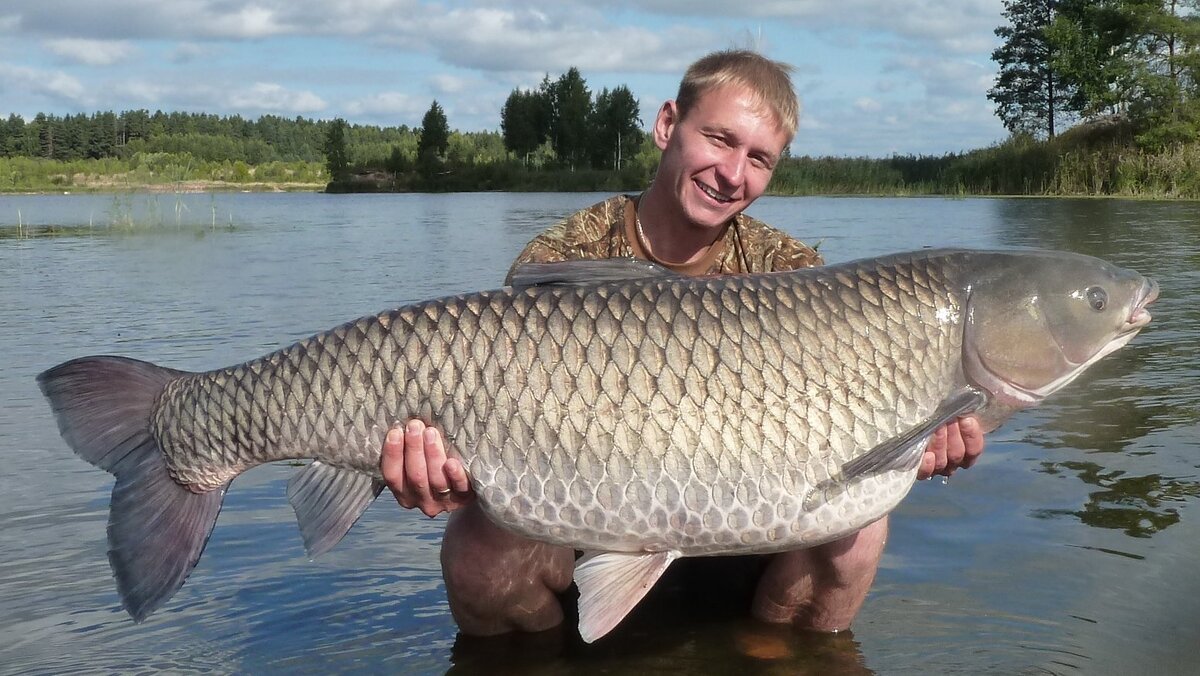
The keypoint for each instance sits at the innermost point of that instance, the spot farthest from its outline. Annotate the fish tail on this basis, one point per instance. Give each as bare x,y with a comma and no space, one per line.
157,528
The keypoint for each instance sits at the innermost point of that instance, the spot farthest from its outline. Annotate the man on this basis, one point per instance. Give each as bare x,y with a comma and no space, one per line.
721,139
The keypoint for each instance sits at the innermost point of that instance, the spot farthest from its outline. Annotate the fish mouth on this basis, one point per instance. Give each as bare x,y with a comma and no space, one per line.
1139,317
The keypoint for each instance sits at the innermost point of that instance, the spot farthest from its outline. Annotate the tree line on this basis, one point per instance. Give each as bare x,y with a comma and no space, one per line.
206,136
602,132
1067,60
560,125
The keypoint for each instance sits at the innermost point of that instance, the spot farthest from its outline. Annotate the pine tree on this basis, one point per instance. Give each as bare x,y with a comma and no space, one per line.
1028,92
337,158
616,132
571,103
435,133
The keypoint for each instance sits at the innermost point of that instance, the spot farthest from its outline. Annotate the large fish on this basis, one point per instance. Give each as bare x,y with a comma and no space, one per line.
609,406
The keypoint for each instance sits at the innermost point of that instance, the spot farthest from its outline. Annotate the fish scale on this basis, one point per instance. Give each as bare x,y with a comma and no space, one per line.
608,406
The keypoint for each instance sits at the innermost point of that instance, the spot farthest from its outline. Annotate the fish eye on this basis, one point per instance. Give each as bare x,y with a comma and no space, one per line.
1097,297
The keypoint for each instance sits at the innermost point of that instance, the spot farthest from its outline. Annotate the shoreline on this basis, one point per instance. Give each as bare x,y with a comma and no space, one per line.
181,188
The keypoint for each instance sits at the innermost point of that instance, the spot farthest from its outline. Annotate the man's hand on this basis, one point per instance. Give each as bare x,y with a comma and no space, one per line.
957,444
415,467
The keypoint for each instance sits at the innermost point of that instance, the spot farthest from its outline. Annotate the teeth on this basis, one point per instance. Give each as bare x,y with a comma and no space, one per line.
714,194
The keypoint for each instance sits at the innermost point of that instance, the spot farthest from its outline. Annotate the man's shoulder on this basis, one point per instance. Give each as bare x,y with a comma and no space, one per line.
588,225
586,234
767,248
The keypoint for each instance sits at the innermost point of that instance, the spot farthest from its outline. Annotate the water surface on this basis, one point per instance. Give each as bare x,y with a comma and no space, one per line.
1069,549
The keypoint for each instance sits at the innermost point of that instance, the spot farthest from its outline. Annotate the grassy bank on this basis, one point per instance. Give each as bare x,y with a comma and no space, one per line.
1096,159
164,172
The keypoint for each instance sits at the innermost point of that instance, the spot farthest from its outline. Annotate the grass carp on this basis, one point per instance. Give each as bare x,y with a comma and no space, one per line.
610,406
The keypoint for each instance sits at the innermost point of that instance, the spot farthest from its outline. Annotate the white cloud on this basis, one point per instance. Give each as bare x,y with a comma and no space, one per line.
255,21
493,39
954,24
50,84
946,78
269,97
91,52
867,105
141,93
449,84
389,104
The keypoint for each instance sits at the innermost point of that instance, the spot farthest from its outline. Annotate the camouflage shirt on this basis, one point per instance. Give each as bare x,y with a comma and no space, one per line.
607,230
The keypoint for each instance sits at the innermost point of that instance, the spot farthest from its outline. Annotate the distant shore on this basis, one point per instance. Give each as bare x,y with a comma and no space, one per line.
183,187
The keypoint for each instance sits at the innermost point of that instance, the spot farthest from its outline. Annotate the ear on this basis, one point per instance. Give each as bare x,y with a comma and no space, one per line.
664,124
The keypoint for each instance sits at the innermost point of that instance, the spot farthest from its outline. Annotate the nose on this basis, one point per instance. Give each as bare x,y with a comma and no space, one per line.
732,167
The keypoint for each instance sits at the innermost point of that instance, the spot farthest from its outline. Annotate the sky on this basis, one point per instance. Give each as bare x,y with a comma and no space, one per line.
875,77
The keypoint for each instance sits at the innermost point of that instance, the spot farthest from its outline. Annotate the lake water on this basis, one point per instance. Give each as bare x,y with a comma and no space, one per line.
1070,548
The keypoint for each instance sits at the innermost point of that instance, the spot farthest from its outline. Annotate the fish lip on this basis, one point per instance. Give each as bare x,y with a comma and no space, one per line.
1139,317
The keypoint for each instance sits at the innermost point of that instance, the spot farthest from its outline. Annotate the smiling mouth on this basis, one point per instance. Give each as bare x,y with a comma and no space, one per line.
719,197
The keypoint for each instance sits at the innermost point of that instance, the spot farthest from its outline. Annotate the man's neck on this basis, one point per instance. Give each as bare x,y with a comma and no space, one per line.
668,235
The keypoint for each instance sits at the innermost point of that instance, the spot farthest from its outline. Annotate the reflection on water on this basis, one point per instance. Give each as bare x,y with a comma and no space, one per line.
1138,505
1070,548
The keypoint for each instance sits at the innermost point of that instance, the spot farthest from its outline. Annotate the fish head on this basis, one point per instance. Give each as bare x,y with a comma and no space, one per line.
1034,321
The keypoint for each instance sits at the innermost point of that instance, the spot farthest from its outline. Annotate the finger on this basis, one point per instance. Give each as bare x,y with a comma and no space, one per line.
928,462
391,463
456,476
937,445
973,439
435,460
955,449
416,476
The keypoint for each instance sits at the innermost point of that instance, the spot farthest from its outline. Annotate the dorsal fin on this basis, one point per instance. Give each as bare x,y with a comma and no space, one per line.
585,272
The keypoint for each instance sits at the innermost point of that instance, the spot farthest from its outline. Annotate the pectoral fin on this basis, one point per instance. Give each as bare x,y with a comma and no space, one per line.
611,584
327,501
902,453
905,451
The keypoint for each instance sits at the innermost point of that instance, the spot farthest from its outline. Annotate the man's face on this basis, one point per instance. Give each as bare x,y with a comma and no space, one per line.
720,157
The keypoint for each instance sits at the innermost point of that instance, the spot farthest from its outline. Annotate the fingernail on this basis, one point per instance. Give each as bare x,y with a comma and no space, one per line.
431,434
413,426
393,434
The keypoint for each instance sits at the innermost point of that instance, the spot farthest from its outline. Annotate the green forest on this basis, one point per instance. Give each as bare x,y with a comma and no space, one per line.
1121,77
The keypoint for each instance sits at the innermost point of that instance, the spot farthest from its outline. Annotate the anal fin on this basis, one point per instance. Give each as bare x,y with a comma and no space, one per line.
327,501
611,584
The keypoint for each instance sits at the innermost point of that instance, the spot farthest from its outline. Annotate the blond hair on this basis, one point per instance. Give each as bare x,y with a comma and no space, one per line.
769,83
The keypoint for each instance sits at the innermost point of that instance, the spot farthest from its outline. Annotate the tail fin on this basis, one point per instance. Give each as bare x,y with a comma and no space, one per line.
157,528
